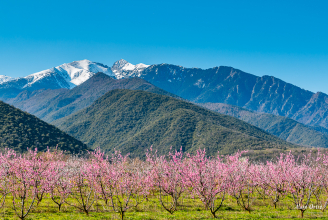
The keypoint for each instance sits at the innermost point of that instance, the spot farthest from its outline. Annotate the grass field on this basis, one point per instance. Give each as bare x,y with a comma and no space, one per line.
188,209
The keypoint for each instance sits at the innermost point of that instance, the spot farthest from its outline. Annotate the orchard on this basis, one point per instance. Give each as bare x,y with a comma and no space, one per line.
99,183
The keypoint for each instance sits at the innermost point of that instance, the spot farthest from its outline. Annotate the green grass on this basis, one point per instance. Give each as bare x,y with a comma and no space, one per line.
188,209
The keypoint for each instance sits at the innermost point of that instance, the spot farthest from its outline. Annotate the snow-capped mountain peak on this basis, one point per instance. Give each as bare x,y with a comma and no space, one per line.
4,78
124,69
67,75
119,64
80,71
75,72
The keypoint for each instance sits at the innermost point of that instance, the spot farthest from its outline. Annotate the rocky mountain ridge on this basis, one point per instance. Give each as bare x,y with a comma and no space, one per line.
283,127
228,85
222,84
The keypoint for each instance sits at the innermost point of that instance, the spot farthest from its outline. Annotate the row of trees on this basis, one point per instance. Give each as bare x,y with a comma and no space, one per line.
121,183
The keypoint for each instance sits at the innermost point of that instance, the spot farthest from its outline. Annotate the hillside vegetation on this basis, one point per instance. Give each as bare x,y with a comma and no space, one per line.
20,130
132,121
50,105
285,128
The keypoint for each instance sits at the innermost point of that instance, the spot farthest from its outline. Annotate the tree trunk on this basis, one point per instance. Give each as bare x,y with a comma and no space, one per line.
86,211
213,214
122,215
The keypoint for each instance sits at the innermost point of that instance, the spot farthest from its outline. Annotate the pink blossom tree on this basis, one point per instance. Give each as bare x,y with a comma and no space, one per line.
22,171
100,172
129,183
242,185
302,181
4,176
60,186
321,180
167,177
45,167
272,178
207,179
82,189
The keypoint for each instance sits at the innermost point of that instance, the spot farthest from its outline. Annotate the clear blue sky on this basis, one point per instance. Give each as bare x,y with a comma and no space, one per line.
285,39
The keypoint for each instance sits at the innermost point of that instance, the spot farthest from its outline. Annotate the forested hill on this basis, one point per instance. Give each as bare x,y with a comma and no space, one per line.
20,130
50,105
132,121
283,127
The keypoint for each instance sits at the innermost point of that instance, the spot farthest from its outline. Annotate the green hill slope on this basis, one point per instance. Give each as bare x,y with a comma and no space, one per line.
132,121
20,130
285,128
50,105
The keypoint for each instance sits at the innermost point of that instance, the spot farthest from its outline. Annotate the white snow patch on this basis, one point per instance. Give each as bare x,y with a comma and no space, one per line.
74,73
141,66
123,69
128,66
80,71
200,83
4,78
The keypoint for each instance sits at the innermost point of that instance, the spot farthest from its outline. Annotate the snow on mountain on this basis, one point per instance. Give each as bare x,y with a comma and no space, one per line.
124,69
55,76
67,75
80,71
4,78
72,74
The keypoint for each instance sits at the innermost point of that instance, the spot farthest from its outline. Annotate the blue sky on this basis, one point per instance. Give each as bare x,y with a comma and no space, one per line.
285,39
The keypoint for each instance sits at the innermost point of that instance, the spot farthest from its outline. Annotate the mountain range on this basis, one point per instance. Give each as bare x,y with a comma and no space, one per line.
51,105
222,84
227,85
66,76
294,114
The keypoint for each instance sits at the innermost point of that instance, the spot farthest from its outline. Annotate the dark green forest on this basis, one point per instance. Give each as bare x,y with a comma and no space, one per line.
20,130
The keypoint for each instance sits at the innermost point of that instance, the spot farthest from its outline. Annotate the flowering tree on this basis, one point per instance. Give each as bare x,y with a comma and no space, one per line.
207,179
100,173
272,178
82,189
129,183
167,176
302,181
320,181
123,183
59,184
242,185
4,176
22,172
45,168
